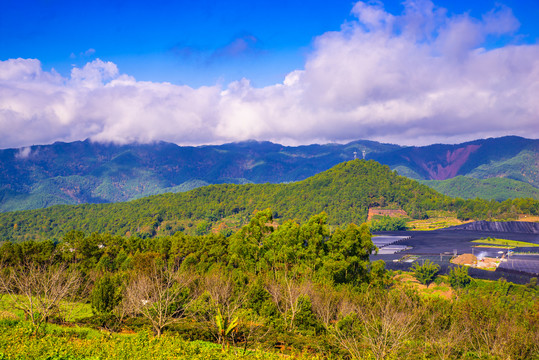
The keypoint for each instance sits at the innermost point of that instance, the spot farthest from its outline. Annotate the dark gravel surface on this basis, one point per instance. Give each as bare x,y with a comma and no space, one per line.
499,226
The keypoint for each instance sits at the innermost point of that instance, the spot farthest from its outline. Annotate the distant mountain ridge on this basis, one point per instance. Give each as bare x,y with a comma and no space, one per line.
511,156
87,172
496,188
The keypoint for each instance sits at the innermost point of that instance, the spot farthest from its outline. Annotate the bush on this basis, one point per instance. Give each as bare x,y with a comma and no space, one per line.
105,296
387,223
458,277
425,273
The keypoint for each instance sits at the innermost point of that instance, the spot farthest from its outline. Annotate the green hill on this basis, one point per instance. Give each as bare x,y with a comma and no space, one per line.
345,192
491,189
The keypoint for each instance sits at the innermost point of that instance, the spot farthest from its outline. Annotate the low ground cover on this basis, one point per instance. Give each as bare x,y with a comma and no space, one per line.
505,243
66,343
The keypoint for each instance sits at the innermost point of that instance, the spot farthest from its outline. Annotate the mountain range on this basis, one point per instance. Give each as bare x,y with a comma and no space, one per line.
89,172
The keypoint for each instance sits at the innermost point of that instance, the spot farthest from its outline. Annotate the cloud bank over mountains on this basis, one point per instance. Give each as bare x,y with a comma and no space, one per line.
418,77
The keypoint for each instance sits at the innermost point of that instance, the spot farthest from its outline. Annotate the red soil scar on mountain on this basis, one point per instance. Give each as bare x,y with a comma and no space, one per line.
453,160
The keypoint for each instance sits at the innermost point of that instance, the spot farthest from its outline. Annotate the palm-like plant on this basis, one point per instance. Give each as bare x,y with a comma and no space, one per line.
225,327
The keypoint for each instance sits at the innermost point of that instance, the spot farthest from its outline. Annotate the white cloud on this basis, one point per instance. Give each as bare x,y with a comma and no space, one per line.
23,153
417,77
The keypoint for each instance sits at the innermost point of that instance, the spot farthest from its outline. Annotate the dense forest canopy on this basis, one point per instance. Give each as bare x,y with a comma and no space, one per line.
344,192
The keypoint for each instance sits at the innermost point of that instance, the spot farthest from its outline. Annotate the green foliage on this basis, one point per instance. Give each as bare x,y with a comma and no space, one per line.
74,344
304,286
344,193
521,167
305,320
458,277
425,273
387,223
225,327
203,228
106,295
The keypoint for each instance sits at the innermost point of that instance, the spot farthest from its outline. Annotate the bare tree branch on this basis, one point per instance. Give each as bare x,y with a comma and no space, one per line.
37,290
160,295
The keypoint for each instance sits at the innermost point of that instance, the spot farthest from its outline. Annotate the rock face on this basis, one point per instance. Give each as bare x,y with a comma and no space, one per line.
499,226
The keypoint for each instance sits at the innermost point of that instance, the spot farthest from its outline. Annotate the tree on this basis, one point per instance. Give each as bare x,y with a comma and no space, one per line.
160,295
380,321
387,223
348,254
225,326
246,245
286,293
104,296
218,305
425,273
458,277
38,290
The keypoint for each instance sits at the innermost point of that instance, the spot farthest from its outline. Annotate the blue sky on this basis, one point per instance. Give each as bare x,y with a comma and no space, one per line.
234,55
194,42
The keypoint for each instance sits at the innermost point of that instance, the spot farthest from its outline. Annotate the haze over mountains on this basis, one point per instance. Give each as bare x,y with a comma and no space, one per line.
88,172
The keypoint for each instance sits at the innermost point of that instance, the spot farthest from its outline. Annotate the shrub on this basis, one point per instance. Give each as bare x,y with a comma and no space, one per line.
105,297
458,277
425,273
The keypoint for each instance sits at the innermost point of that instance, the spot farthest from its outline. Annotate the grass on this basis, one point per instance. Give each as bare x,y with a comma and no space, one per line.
528,218
74,311
503,243
438,289
493,246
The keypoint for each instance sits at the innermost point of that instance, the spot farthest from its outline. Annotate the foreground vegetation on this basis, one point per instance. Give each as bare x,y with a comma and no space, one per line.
300,289
67,343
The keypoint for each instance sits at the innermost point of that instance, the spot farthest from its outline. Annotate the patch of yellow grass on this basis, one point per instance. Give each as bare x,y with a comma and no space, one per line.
434,223
530,218
504,242
8,315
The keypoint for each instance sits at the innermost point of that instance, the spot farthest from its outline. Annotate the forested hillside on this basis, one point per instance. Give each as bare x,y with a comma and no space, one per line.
344,193
510,157
495,188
